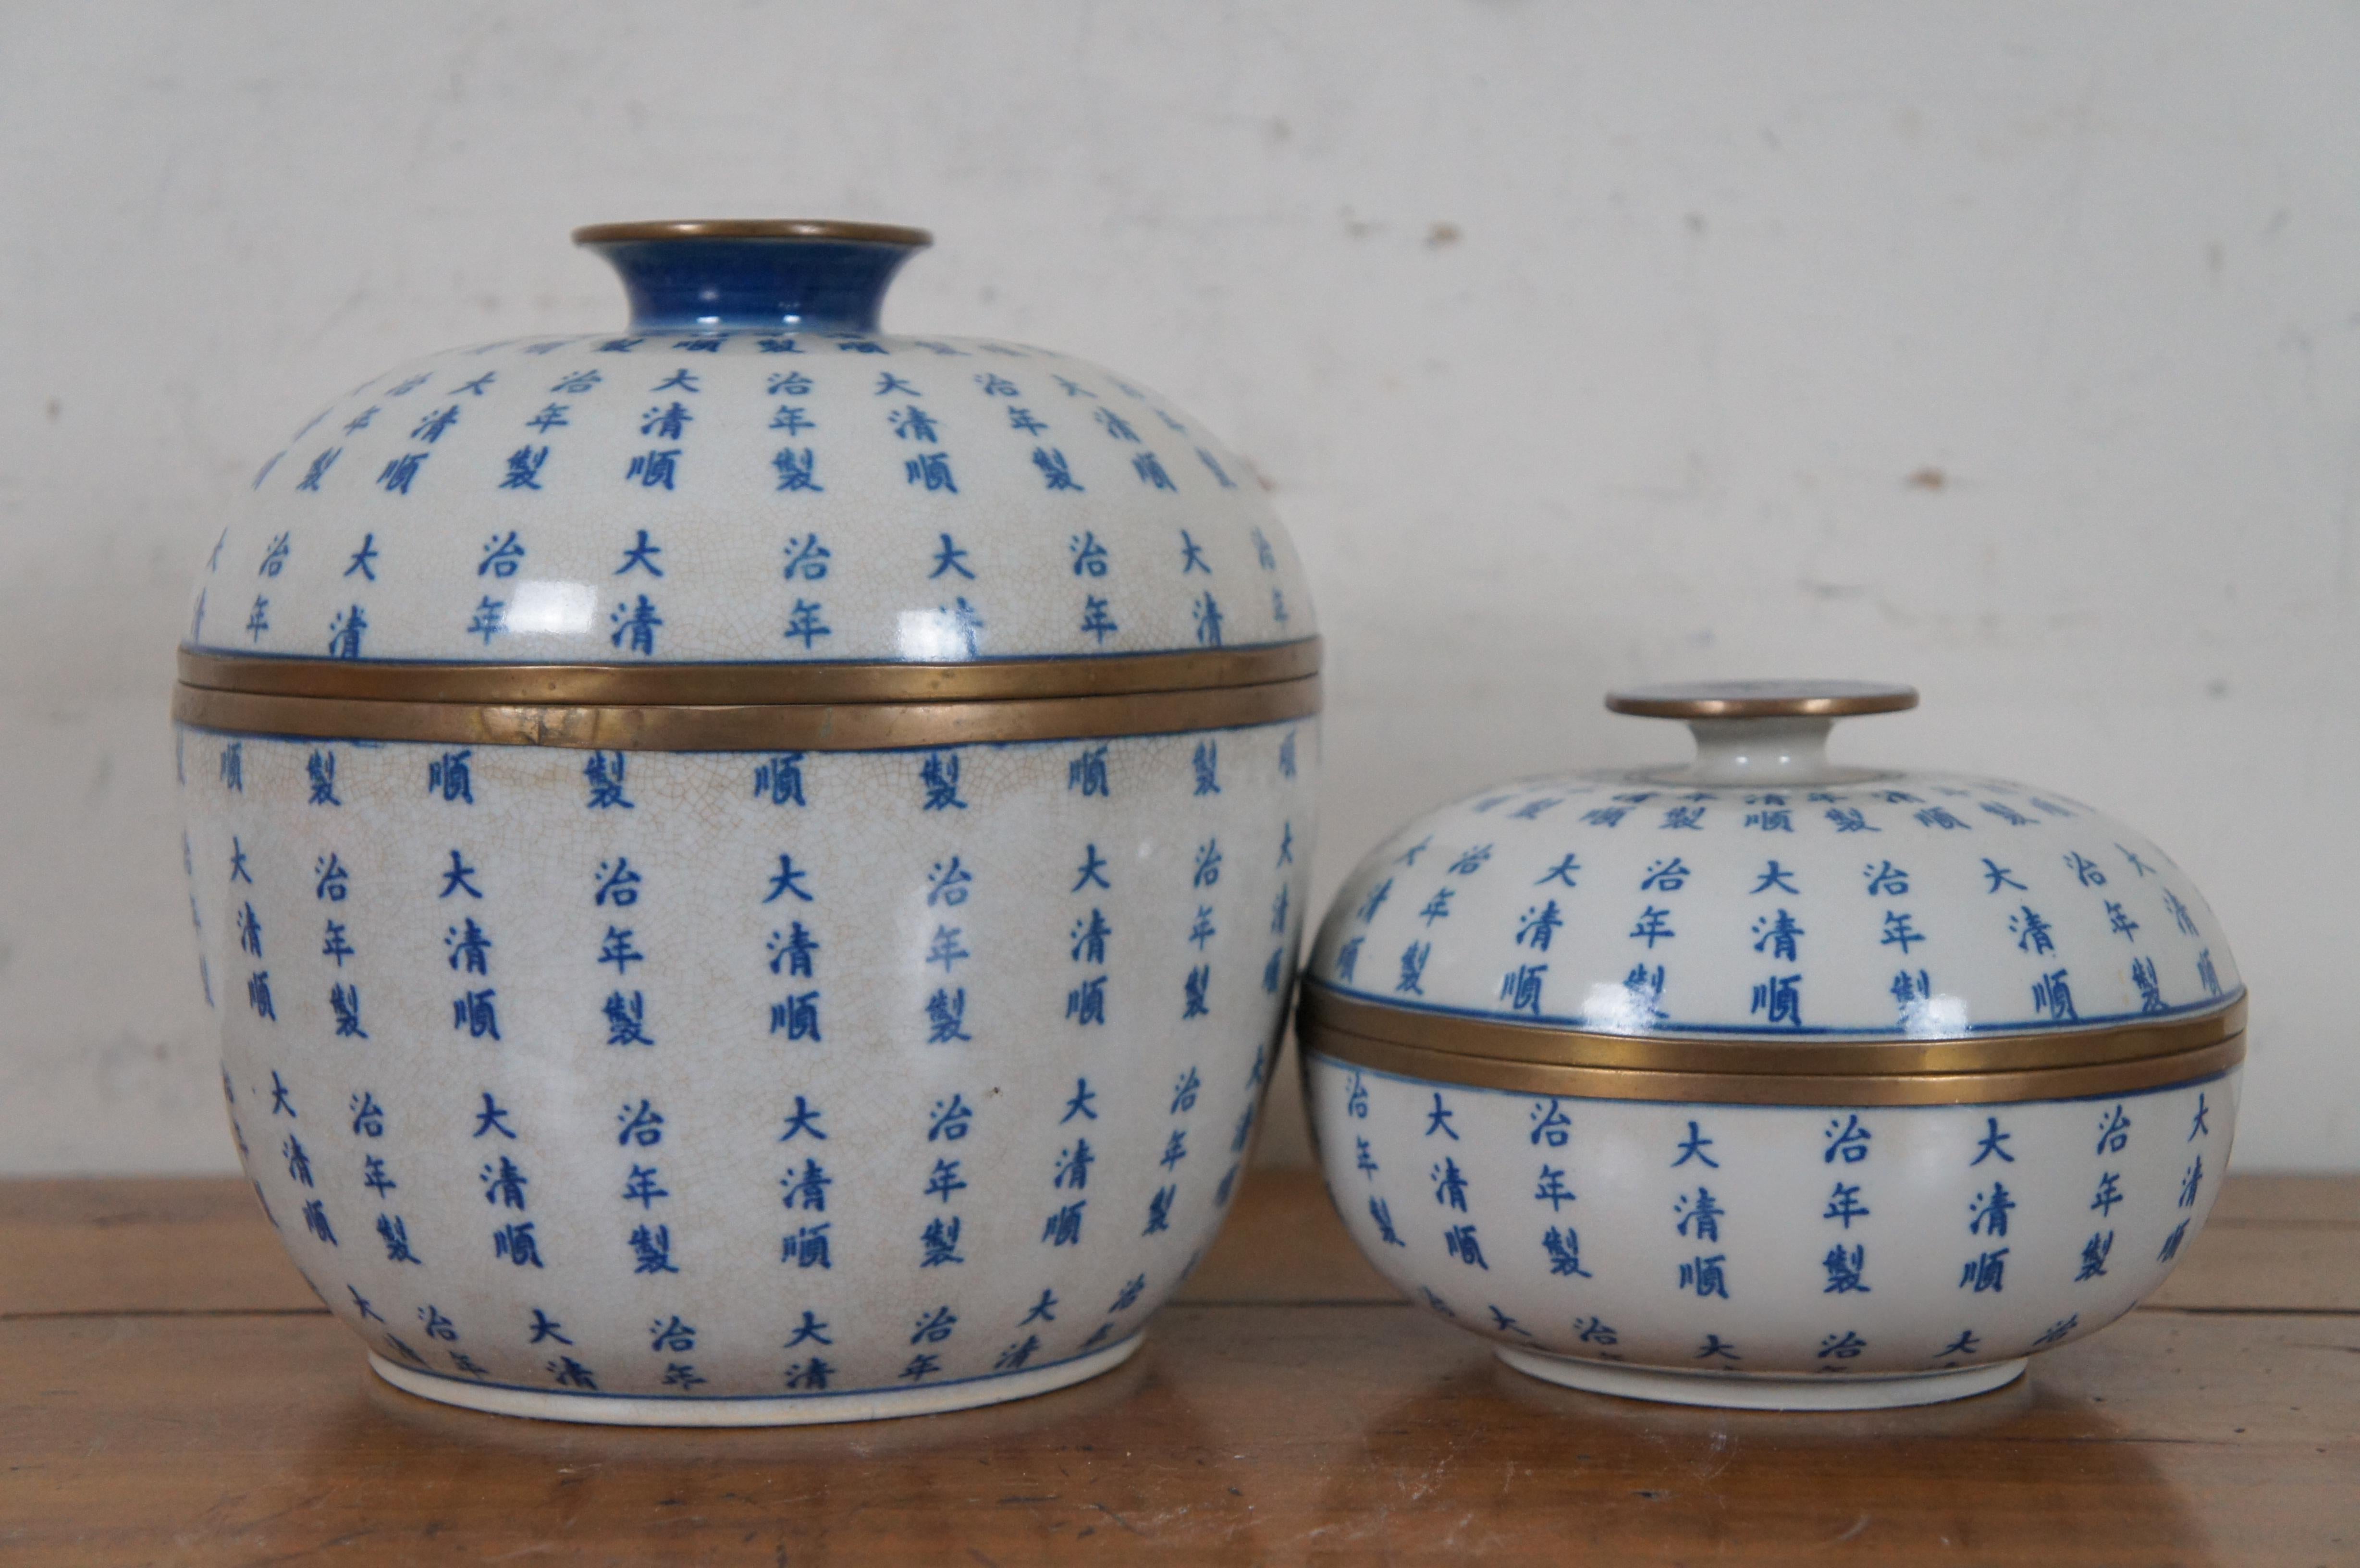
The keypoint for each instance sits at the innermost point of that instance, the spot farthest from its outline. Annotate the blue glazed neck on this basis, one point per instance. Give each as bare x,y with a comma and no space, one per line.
693,281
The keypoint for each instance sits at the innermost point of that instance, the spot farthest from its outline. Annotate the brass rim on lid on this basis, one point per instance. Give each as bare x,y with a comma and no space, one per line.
1581,1064
751,707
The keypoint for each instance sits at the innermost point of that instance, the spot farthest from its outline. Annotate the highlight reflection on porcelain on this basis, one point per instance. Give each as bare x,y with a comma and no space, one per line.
720,1087
1725,916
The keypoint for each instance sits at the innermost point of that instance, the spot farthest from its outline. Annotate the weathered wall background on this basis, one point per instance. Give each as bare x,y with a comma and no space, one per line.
2012,350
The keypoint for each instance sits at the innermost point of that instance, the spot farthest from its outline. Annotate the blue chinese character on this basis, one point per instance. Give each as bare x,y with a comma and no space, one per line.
319,469
626,1018
641,1186
1693,1148
950,1120
504,1184
1461,1242
491,619
2094,1255
637,625
1775,936
939,776
1844,1269
524,469
344,1005
1520,989
1780,998
1704,1214
1207,615
517,1243
643,1126
1847,1140
344,629
945,948
469,947
946,1014
797,470
1845,1204
493,1118
1085,1004
429,429
1706,1275
1988,1214
940,1243
2053,996
781,778
1194,988
797,1017
933,470
394,1233
806,1188
651,1251
1063,1227
475,1013
794,951
2113,1132
1412,968
398,476
945,1181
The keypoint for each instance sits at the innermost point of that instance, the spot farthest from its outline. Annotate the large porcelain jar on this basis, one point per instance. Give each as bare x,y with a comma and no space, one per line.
749,867
1765,1081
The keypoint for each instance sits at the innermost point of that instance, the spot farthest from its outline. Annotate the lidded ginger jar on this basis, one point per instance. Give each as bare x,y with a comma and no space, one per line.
1765,1081
749,867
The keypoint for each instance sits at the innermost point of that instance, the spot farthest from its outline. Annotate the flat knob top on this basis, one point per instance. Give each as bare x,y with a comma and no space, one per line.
1763,699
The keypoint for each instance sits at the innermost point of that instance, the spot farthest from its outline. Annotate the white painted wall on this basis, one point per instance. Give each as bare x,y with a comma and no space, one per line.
1585,344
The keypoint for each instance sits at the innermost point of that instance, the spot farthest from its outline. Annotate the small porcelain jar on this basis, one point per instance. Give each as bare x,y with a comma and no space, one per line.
749,867
1768,1082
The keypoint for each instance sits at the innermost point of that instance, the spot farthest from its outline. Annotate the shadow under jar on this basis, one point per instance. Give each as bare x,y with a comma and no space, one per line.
1768,1082
750,869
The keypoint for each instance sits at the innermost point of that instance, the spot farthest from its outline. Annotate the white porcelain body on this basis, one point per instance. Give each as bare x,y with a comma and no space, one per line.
748,496
1886,905
863,1185
1762,896
1734,1244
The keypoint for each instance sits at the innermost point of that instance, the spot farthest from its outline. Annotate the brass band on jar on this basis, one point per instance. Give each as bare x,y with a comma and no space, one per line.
749,684
1578,1064
747,726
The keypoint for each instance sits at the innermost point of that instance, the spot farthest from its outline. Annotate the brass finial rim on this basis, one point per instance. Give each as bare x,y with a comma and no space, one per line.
1773,699
850,230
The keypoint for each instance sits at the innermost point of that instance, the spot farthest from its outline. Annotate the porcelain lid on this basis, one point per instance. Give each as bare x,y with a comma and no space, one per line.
1764,893
750,472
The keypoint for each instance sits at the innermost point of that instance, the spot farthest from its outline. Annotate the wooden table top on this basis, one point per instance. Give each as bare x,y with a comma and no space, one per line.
174,1394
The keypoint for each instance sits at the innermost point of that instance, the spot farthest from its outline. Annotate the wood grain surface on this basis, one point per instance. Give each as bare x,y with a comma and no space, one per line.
170,1393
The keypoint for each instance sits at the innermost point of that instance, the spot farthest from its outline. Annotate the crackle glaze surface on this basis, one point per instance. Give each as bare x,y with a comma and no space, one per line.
712,1075
1893,904
748,496
1781,1241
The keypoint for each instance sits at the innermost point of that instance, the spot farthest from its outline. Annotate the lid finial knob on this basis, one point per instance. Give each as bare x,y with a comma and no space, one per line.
1762,732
